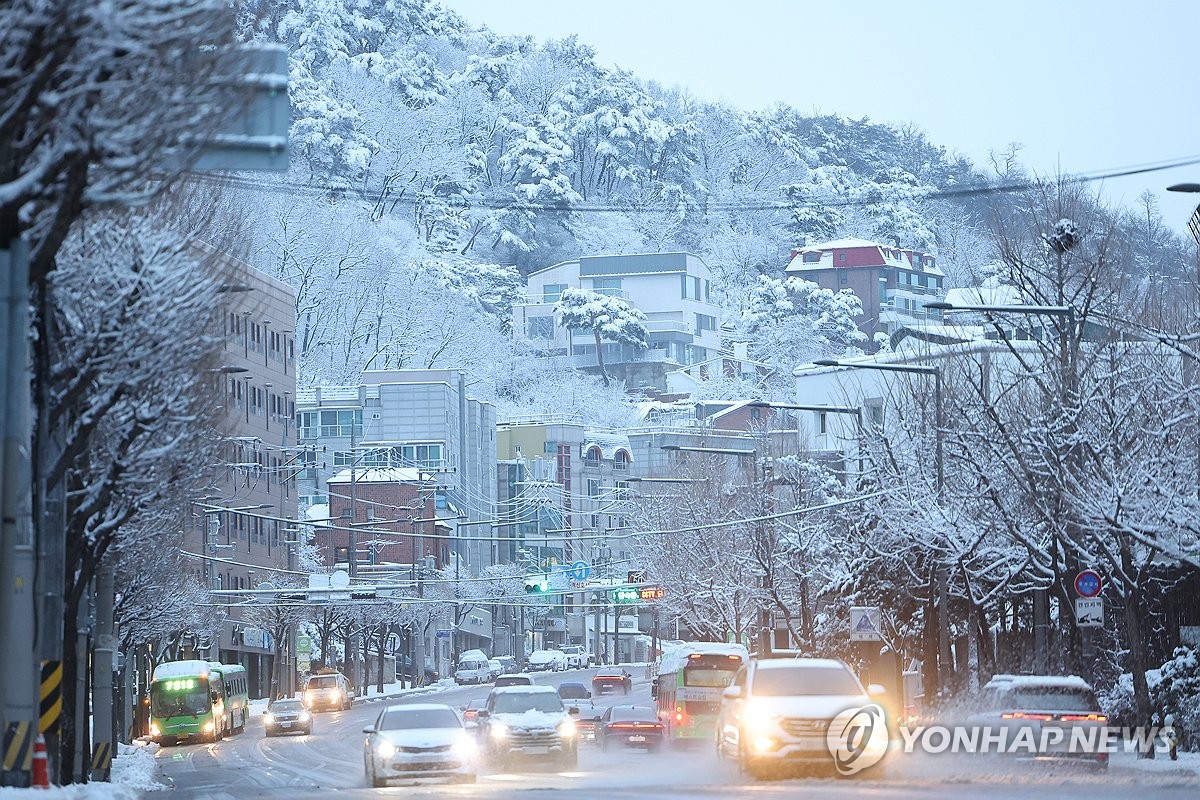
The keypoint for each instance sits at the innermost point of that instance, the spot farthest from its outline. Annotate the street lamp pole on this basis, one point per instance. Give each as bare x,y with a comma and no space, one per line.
937,666
1041,600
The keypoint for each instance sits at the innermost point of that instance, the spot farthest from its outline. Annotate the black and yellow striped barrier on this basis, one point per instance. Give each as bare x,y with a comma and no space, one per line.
51,697
18,746
101,758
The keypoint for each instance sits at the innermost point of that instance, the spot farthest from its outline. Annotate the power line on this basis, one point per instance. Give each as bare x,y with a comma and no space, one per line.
310,190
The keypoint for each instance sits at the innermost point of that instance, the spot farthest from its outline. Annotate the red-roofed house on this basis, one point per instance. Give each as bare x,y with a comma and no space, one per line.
893,283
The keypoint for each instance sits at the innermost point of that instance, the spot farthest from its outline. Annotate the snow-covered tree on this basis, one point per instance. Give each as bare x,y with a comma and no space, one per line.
788,321
608,318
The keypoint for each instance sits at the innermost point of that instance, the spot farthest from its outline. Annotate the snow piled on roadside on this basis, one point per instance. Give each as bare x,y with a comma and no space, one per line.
87,791
135,767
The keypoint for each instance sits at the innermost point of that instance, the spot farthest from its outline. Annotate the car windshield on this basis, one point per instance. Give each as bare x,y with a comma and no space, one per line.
287,705
797,680
633,714
400,719
1052,698
322,682
512,680
572,691
517,702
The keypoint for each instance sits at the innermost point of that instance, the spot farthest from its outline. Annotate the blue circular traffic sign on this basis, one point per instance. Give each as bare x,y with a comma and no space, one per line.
1088,583
580,570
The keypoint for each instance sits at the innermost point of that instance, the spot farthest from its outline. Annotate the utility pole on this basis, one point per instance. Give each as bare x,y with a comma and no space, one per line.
19,687
102,666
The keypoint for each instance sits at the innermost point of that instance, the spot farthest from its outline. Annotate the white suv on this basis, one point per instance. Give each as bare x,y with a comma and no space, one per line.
776,712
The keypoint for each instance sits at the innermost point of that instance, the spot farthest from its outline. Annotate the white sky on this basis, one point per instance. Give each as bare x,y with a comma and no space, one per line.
1085,85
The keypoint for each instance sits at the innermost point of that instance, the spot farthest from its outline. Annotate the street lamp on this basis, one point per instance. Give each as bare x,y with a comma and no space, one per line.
933,668
1194,222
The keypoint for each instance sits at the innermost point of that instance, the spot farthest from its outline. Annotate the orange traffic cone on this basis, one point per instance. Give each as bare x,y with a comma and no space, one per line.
41,767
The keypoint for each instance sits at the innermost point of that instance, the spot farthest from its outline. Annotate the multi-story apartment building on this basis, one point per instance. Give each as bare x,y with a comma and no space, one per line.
893,283
673,290
408,419
245,518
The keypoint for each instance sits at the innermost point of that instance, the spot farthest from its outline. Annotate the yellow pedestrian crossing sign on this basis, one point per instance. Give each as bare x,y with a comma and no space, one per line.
866,624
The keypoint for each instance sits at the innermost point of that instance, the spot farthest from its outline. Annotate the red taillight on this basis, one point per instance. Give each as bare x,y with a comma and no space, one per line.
1023,715
679,713
1085,717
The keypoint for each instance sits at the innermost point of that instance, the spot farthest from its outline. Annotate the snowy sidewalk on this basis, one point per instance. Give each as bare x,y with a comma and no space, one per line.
1188,763
133,772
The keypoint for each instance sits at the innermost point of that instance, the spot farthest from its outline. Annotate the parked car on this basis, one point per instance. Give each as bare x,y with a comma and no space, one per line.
328,691
546,661
513,680
473,668
508,664
776,712
630,726
579,696
529,722
612,678
404,672
577,657
418,741
1039,703
287,715
495,669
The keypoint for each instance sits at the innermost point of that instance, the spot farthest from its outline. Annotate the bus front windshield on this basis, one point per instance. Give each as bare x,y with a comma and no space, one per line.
169,701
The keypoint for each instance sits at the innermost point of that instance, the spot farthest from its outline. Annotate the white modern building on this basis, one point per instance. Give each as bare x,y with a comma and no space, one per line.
673,290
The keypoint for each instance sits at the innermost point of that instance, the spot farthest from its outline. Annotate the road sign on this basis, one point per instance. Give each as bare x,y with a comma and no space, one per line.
443,634
866,624
303,646
624,595
580,571
1088,583
1089,612
651,593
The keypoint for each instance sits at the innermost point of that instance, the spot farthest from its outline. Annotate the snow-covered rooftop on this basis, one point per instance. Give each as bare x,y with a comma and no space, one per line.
850,241
380,475
609,443
998,295
180,669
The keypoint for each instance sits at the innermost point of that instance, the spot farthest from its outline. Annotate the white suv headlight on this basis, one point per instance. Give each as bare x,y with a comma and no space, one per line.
758,718
385,749
566,728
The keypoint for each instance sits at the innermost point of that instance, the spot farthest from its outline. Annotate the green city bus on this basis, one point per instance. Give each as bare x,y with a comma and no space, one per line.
689,685
197,701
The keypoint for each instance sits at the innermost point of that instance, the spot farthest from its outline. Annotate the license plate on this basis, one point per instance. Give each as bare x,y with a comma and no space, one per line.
811,743
285,724
637,738
537,751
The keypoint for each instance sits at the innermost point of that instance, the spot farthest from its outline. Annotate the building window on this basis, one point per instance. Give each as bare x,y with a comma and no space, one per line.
423,455
595,520
704,322
341,422
621,461
541,327
689,287
755,412
592,457
843,277
606,285
551,292
841,258
593,487
822,422
812,258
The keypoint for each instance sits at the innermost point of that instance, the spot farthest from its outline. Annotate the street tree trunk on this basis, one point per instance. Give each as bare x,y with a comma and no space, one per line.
600,356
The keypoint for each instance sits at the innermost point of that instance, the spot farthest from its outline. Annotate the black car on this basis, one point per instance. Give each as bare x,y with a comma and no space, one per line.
612,678
630,726
287,715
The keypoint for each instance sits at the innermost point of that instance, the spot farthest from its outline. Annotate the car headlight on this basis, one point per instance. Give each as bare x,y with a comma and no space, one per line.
208,727
566,728
336,693
308,697
154,729
498,730
465,747
764,744
268,718
758,718
305,716
385,750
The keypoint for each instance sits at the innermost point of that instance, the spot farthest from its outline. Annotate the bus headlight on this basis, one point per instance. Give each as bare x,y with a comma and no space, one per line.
209,727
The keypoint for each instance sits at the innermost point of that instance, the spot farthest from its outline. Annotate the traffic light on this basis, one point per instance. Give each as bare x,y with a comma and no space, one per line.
636,576
537,584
